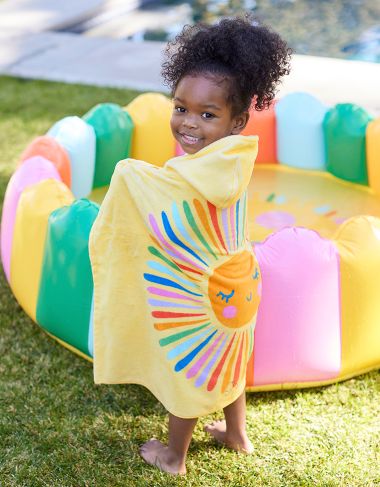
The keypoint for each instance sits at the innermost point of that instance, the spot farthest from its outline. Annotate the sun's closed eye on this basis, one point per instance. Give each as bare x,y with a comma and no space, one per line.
226,297
256,274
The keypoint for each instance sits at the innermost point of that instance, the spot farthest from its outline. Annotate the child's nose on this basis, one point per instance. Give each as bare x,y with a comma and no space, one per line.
190,121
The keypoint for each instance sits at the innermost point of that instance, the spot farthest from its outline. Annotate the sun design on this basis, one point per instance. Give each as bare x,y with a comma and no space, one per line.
204,290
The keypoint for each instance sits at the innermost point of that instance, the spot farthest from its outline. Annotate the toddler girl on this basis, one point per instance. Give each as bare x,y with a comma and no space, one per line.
176,283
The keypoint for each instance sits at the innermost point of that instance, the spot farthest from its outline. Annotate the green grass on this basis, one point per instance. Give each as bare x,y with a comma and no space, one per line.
58,429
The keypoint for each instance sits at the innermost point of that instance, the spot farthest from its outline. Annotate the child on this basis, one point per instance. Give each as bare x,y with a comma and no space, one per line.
175,277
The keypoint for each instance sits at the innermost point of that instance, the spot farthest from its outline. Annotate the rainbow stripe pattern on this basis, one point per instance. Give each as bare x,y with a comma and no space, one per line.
193,243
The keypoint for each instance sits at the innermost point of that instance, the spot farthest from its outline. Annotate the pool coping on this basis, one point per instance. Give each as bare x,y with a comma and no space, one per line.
32,50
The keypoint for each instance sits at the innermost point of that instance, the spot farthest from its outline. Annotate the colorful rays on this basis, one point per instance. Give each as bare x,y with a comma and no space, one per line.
188,241
193,234
206,355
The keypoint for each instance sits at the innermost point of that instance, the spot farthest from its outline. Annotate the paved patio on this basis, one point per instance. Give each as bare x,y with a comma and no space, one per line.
31,47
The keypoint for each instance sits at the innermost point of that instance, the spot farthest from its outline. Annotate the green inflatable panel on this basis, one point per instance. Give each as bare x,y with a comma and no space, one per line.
113,128
66,286
344,127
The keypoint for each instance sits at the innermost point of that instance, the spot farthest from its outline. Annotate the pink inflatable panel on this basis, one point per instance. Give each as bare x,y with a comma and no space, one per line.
298,330
33,170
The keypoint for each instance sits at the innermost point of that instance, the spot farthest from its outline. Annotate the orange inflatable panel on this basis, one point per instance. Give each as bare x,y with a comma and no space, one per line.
373,154
263,124
51,150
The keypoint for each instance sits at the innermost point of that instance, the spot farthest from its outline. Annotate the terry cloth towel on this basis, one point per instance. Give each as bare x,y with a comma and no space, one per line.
176,283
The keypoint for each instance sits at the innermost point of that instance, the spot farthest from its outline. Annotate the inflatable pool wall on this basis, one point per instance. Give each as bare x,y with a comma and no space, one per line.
314,221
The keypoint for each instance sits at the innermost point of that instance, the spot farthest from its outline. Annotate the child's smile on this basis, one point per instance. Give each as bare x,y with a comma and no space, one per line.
201,113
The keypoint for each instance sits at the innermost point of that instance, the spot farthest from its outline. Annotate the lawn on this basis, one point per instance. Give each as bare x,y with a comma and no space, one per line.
58,429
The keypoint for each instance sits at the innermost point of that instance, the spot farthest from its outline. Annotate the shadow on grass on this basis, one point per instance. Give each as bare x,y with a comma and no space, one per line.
54,375
271,397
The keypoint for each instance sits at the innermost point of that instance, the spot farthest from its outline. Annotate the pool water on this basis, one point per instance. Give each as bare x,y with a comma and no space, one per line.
281,196
303,198
348,29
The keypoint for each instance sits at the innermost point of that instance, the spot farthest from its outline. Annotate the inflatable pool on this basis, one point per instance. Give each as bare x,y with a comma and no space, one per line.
313,213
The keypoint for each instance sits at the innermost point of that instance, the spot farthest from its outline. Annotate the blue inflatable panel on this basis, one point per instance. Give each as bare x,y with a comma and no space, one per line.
79,139
300,139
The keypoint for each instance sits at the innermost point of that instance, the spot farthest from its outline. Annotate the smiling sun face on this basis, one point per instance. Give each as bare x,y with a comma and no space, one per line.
234,290
203,288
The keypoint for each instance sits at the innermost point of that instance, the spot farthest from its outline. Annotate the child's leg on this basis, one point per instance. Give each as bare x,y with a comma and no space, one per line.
171,458
232,431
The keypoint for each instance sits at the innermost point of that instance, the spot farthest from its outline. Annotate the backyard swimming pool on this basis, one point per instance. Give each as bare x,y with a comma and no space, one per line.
347,29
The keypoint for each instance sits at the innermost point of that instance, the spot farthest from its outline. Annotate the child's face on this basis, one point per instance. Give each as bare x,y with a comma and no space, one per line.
201,114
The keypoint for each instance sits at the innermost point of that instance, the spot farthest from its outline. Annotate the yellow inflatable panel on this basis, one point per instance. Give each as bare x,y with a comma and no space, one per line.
152,138
358,242
35,205
373,154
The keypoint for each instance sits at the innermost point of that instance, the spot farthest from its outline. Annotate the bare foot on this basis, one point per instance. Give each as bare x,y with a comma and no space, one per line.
157,454
240,442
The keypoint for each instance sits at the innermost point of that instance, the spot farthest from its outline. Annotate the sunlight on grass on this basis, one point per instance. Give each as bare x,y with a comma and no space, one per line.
58,429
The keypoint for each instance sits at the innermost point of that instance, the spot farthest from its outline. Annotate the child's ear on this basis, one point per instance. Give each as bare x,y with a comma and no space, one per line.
239,123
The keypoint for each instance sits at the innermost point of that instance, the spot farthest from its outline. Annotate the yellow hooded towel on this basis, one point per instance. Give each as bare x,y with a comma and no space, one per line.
176,283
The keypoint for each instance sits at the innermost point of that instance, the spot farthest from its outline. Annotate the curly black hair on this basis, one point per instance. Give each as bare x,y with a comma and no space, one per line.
250,56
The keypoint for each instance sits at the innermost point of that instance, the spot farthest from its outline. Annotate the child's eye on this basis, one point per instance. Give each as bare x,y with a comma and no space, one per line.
180,109
208,115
